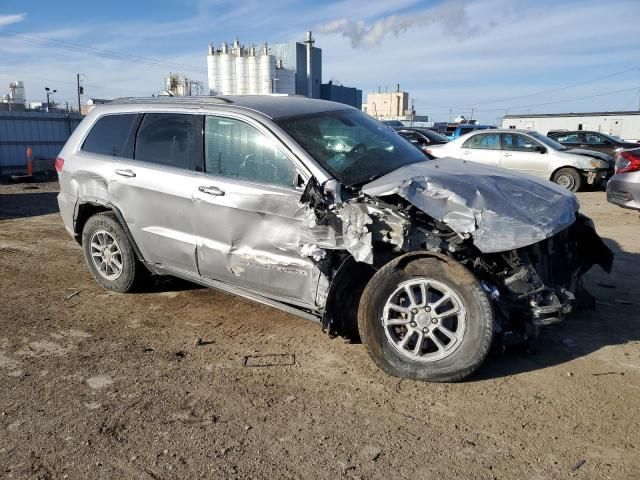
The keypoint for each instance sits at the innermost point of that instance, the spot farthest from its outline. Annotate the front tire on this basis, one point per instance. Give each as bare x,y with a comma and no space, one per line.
568,178
109,254
426,319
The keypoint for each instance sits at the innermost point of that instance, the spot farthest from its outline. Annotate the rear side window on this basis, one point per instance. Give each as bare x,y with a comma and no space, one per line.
484,141
567,138
109,135
170,139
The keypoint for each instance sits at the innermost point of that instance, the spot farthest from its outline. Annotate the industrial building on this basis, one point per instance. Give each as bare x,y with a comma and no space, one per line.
15,99
389,105
181,86
625,125
293,68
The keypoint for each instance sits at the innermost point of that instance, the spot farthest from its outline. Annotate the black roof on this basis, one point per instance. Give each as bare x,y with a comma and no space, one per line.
273,106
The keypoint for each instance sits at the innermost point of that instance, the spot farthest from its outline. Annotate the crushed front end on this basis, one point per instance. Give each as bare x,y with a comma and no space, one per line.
539,284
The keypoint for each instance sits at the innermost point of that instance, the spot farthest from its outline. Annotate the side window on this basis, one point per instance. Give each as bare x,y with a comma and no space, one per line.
109,135
485,141
235,149
568,138
519,143
170,139
594,139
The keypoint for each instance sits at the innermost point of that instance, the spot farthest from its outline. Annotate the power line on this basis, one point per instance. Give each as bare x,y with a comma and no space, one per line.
53,80
550,103
79,49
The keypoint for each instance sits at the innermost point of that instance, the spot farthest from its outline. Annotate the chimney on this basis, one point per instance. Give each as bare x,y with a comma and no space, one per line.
309,41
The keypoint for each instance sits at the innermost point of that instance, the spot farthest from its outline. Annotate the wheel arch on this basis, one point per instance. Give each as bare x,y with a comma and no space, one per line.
88,208
573,167
350,280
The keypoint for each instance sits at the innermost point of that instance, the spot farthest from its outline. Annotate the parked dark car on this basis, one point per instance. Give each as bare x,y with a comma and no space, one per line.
421,138
597,141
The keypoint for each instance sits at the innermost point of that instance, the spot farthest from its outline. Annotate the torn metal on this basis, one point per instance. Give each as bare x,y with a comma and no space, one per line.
499,209
521,236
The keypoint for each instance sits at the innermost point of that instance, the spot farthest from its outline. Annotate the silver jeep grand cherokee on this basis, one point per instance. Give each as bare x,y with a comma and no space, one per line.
315,208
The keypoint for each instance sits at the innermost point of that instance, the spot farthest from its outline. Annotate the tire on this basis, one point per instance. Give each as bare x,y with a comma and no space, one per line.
568,178
102,227
474,328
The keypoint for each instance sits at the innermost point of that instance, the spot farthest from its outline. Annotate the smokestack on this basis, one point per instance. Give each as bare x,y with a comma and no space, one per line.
309,41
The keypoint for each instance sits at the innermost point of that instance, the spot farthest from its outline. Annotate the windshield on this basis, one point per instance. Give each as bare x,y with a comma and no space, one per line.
549,142
350,145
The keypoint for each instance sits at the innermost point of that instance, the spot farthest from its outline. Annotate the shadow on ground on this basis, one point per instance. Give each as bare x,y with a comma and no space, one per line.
31,203
615,321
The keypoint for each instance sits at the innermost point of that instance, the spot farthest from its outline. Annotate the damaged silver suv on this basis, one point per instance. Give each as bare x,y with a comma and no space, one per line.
315,208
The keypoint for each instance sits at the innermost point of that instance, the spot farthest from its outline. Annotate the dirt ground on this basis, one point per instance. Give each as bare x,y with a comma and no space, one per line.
95,384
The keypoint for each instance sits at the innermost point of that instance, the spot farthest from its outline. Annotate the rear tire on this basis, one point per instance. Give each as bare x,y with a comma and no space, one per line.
109,254
568,178
472,326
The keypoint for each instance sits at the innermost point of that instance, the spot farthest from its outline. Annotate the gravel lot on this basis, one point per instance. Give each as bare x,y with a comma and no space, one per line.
95,384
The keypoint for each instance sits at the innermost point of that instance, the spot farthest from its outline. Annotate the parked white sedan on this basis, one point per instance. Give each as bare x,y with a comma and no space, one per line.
531,153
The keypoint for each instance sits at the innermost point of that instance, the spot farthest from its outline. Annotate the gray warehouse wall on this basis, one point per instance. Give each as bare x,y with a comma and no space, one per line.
45,133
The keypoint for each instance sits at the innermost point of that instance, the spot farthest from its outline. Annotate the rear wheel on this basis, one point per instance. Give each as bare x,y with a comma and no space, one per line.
109,254
426,319
568,178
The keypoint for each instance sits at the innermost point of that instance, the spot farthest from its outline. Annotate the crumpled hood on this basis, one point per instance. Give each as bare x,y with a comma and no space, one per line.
591,153
500,209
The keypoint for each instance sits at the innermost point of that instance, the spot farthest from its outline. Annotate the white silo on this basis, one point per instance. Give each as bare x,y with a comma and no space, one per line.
253,72
213,71
16,90
267,70
227,70
242,87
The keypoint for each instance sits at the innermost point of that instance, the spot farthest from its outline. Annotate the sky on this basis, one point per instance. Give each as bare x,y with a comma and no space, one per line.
491,57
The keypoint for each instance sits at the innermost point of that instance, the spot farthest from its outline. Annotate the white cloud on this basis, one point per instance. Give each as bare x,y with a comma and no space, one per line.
9,19
451,15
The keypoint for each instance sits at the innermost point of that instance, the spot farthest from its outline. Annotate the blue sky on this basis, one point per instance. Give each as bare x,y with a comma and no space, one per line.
491,56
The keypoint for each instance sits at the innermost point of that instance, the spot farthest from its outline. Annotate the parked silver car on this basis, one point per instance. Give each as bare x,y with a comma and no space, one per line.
531,153
318,209
624,187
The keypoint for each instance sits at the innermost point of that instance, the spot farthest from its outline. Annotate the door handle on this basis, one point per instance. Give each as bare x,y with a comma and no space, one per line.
125,173
506,154
211,190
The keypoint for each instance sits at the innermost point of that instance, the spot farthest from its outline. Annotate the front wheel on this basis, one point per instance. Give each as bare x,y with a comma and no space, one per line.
426,319
568,178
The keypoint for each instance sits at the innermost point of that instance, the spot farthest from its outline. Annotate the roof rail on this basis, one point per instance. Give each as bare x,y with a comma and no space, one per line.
168,99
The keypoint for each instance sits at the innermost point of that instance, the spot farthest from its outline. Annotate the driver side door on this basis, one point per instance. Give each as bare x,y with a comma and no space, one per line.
523,153
248,219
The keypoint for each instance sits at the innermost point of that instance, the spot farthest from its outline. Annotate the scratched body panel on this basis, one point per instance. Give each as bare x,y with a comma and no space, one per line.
249,237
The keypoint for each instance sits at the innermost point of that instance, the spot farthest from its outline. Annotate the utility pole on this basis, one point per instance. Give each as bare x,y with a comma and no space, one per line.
79,89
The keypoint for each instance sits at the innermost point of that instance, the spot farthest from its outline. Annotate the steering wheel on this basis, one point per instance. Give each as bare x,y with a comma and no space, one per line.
359,148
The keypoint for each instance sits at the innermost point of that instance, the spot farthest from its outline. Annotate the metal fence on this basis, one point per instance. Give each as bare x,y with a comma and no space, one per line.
45,133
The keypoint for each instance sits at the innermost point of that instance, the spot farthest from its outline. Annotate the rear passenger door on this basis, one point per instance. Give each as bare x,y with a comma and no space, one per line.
482,148
154,190
248,219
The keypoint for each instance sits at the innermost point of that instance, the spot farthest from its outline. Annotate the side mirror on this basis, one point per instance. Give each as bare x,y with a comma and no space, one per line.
540,149
298,180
